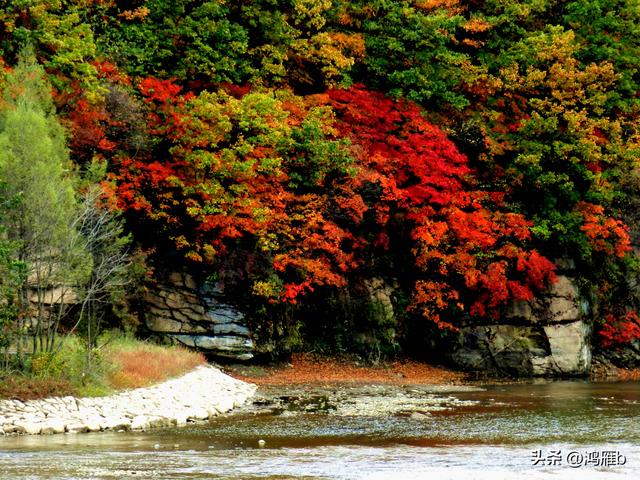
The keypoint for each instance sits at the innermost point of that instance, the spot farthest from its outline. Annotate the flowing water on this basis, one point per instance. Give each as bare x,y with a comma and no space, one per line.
543,430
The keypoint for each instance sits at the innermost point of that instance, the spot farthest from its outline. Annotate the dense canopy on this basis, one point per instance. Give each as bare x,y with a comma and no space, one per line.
294,148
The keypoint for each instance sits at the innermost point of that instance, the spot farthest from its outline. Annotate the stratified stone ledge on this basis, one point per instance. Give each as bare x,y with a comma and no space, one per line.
199,395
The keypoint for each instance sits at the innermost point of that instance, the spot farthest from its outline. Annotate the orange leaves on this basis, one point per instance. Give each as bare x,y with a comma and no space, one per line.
352,44
431,299
234,176
319,250
139,13
109,71
539,269
291,291
497,289
88,124
449,5
476,228
318,194
429,234
477,25
471,255
607,235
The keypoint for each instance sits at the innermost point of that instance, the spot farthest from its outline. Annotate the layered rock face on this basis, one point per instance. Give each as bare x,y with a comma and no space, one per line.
548,336
196,315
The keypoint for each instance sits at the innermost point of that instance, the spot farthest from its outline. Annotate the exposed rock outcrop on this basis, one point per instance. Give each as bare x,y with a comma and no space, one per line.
196,315
623,356
548,336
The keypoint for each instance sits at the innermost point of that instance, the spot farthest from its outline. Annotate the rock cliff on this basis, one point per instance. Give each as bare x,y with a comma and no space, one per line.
195,314
549,336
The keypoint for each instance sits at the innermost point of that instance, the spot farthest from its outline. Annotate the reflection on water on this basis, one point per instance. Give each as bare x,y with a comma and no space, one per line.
489,438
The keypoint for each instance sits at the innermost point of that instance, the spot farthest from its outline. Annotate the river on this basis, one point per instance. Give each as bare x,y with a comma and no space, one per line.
539,430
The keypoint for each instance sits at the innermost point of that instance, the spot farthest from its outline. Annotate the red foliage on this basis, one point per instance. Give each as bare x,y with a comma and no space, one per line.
109,71
87,123
619,331
158,90
211,194
607,235
88,128
237,91
471,253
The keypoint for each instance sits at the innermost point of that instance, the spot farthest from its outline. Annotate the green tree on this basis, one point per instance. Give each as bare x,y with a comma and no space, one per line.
412,49
35,166
11,277
181,38
61,40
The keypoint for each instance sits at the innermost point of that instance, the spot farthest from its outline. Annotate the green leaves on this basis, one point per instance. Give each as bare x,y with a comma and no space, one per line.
413,53
12,272
35,168
184,38
59,37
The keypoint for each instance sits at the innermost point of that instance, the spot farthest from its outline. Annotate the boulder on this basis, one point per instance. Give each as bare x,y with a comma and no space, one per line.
139,422
380,294
53,425
525,350
28,427
570,349
546,337
231,329
506,349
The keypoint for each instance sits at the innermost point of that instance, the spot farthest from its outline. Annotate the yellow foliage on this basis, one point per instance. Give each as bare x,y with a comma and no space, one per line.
139,13
477,25
452,6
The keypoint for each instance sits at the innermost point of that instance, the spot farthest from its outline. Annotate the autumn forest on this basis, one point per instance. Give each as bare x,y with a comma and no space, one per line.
462,151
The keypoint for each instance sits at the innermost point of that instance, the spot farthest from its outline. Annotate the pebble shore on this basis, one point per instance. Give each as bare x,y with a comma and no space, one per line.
199,395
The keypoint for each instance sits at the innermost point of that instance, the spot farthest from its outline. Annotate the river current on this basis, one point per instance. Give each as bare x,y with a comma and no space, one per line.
563,429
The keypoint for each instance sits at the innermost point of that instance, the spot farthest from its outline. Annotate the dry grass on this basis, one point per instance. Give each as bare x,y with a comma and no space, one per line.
23,388
123,363
307,368
140,364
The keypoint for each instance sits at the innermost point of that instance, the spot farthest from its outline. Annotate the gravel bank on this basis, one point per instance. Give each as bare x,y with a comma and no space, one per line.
364,400
203,393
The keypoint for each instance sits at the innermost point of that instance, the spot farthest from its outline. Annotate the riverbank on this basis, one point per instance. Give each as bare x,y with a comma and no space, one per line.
489,433
307,368
120,363
319,370
347,387
199,395
308,384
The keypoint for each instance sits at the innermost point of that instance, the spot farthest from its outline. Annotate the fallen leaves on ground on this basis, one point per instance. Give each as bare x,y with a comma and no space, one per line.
629,374
308,368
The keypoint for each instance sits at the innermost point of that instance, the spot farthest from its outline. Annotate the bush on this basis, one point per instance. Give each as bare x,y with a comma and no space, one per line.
119,362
